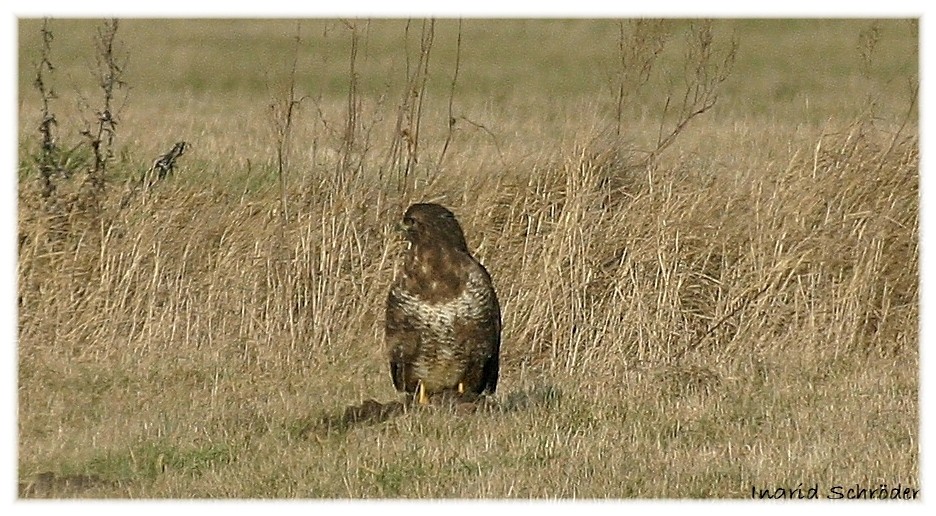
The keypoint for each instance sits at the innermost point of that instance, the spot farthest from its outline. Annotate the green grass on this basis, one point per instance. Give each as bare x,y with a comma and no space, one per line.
740,311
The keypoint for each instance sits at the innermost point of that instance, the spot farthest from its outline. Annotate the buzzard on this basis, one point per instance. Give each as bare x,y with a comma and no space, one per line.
443,320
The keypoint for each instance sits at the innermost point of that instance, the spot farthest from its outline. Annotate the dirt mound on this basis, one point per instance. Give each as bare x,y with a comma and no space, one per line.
373,412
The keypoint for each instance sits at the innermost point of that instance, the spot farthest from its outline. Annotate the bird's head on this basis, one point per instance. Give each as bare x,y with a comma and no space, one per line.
429,224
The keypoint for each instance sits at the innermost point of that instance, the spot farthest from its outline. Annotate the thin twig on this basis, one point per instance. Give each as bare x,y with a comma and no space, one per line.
451,113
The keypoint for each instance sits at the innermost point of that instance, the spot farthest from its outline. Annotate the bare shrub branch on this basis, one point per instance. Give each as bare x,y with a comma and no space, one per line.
705,69
46,158
109,74
491,135
640,43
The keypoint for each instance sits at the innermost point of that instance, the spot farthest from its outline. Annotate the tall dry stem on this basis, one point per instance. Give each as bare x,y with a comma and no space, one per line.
109,75
282,112
352,111
451,111
46,159
403,154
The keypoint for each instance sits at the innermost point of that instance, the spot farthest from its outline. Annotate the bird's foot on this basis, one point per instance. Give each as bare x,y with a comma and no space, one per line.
421,397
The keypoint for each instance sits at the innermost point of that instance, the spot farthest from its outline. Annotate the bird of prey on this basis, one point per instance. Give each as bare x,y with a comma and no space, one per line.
443,321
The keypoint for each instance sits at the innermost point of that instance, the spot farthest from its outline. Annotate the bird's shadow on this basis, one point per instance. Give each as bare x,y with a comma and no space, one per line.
371,412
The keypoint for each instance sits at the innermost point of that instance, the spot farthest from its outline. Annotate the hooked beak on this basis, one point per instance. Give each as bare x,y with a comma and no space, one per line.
401,229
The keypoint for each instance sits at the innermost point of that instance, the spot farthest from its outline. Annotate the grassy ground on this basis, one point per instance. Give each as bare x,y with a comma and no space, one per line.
739,309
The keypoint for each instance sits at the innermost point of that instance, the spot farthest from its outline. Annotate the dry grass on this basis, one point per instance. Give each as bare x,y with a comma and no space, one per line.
741,312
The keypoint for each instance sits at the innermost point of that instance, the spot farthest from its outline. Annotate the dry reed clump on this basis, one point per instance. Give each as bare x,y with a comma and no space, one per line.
685,262
682,325
201,270
641,282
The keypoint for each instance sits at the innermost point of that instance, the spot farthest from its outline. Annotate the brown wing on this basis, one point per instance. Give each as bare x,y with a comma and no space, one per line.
479,335
492,366
402,343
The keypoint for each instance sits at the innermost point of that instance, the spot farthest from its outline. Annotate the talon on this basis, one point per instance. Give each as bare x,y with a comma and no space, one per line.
421,397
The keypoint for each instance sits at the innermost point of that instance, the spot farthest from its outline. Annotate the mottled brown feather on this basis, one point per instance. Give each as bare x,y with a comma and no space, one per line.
443,319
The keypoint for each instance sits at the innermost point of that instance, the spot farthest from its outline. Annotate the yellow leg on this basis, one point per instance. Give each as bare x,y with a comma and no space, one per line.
421,397
461,388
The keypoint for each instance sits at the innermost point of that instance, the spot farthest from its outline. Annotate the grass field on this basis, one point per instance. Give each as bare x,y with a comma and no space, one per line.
733,308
